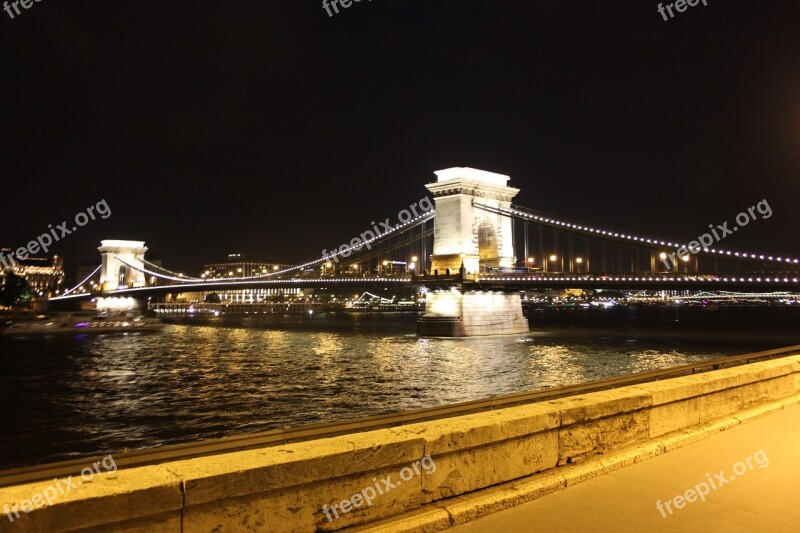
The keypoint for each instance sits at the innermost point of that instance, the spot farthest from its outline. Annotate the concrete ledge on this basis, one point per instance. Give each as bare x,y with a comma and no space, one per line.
484,462
478,504
147,498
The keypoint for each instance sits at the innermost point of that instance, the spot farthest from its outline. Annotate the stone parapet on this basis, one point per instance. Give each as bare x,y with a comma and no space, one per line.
538,446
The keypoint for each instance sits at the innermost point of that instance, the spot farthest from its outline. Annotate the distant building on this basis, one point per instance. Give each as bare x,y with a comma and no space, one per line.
45,275
237,266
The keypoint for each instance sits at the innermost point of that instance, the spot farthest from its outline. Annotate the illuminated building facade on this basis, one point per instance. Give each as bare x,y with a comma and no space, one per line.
44,275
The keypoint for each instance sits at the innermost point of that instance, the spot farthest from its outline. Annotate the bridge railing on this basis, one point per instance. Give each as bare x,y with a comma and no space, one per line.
697,276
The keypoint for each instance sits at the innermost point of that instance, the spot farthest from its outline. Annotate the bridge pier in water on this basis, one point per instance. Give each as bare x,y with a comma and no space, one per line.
470,240
458,313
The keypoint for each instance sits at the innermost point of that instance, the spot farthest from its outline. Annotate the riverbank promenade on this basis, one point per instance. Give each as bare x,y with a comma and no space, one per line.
762,497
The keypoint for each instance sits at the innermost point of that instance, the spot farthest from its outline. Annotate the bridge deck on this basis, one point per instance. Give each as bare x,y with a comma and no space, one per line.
750,281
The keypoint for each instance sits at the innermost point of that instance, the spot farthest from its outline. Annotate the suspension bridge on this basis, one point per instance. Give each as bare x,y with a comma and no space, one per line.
468,242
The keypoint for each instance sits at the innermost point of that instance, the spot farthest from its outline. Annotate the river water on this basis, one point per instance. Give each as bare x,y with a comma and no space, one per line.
63,398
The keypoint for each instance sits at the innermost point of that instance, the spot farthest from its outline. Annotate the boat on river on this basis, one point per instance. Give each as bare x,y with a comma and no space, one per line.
82,324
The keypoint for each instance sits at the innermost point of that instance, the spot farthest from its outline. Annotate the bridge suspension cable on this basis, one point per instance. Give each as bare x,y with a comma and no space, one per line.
400,228
168,271
150,272
414,222
82,282
530,215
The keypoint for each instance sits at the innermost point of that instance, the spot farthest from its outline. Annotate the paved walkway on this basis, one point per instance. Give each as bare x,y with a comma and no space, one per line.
764,498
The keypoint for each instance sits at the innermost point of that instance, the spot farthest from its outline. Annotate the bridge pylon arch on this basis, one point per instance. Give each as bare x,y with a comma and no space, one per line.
469,240
122,264
464,233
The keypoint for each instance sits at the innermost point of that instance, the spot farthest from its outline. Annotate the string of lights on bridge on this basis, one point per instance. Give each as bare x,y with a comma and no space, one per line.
495,278
189,279
87,278
668,278
223,283
634,238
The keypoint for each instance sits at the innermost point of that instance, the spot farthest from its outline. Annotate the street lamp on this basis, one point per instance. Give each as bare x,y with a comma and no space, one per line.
685,259
663,257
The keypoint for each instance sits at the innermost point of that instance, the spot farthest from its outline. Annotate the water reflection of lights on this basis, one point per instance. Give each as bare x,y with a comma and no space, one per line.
191,382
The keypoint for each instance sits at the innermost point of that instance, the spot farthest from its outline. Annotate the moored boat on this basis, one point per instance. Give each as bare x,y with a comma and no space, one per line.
81,324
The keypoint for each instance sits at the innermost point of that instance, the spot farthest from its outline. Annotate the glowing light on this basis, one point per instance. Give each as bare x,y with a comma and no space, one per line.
116,304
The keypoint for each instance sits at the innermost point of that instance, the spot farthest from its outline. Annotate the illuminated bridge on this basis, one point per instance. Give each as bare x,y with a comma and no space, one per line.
469,241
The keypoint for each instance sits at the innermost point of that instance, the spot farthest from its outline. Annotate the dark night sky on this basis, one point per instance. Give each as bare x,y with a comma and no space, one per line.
271,129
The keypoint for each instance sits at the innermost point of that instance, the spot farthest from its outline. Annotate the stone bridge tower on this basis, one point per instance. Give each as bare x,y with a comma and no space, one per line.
115,274
479,240
465,233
